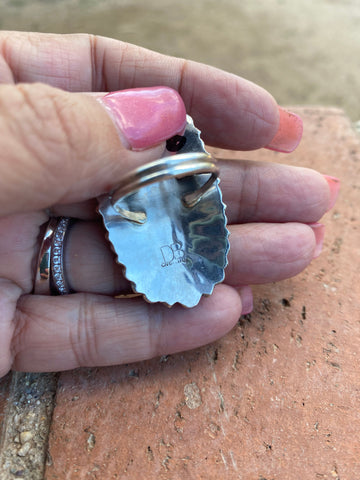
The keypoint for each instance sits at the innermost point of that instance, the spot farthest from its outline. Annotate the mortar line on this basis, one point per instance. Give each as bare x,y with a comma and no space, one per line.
27,420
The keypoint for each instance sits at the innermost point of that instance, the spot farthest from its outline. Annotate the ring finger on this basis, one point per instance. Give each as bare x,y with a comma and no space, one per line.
259,253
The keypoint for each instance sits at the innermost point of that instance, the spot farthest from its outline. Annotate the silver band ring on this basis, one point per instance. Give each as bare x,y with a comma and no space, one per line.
50,278
177,166
58,282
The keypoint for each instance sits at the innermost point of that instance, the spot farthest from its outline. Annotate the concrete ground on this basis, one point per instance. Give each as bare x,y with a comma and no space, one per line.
278,397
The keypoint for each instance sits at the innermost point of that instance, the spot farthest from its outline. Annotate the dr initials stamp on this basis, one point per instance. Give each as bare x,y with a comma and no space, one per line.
172,254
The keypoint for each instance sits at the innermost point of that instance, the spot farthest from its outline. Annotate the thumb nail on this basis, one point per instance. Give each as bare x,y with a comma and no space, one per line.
145,117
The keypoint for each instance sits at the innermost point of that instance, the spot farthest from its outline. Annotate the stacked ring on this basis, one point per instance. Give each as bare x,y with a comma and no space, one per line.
50,278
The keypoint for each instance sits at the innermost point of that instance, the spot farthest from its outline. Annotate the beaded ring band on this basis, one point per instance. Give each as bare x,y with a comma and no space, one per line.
50,278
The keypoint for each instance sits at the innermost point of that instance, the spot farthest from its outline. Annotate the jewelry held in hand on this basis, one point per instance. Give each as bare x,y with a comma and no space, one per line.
167,225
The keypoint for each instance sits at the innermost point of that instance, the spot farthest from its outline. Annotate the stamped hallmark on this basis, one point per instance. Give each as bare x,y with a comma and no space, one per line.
172,254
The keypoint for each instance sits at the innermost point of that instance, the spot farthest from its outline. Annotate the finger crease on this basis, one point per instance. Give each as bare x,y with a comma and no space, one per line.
183,72
98,75
83,339
156,330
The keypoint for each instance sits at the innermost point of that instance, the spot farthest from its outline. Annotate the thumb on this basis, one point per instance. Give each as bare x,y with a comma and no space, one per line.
58,147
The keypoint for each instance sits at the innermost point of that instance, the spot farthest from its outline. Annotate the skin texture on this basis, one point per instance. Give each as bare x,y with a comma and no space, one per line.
59,149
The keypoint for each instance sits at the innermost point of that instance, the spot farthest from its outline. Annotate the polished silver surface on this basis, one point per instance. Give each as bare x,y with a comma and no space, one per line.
179,252
189,142
42,274
178,166
167,225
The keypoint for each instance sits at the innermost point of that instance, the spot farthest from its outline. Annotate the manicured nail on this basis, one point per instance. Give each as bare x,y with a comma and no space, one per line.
246,299
146,116
334,185
319,231
289,133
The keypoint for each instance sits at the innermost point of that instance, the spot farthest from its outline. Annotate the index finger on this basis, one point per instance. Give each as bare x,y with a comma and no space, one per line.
232,112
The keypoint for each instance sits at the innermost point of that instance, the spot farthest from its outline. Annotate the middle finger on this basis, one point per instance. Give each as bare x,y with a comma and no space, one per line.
271,192
255,192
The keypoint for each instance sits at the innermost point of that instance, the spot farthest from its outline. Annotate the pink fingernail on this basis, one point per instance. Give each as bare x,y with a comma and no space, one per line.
146,116
289,133
319,231
334,185
246,299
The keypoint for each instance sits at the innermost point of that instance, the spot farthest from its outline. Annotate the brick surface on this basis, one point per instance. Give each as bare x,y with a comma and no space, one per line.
277,398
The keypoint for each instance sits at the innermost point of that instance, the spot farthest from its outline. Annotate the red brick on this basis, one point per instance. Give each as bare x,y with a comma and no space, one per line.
277,398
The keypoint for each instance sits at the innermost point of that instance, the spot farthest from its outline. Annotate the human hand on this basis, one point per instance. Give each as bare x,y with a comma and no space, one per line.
60,149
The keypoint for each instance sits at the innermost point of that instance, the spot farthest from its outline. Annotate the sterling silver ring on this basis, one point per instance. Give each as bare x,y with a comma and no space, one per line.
50,278
179,166
167,226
